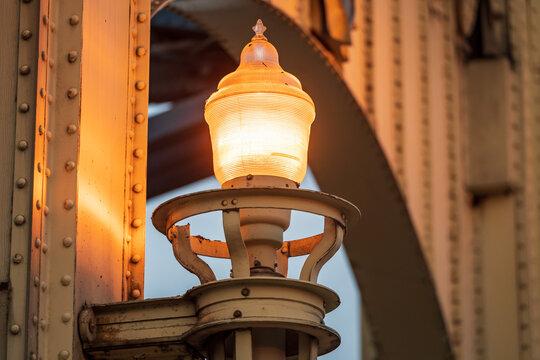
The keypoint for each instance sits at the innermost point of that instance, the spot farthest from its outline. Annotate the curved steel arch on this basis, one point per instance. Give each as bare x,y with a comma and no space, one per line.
397,289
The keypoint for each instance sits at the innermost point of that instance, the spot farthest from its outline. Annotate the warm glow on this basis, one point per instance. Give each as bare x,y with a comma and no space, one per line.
259,118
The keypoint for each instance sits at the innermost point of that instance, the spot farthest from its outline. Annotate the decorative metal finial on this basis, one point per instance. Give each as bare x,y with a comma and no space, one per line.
259,30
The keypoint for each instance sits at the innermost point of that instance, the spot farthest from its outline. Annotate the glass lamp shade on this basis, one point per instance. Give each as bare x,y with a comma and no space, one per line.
259,117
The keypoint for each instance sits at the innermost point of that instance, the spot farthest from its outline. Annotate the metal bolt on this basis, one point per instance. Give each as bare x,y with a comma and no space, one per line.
135,293
49,133
26,34
43,286
39,167
52,26
46,210
141,17
42,92
72,92
33,356
24,70
38,204
73,20
50,99
37,242
237,314
139,118
44,248
19,220
63,355
65,280
128,274
140,85
71,129
22,145
43,55
47,172
36,281
68,204
136,258
138,153
224,202
284,250
45,19
140,51
249,177
21,182
15,329
136,223
42,324
41,130
34,319
66,317
67,241
24,107
245,292
72,56
234,201
18,258
257,263
70,165
137,188
51,62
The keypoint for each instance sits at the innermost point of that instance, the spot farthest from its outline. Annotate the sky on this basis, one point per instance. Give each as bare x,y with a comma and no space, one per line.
164,276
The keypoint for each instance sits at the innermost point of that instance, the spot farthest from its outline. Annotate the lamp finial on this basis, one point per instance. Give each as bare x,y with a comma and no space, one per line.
259,30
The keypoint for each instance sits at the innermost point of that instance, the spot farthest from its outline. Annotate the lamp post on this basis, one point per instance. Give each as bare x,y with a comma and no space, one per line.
259,121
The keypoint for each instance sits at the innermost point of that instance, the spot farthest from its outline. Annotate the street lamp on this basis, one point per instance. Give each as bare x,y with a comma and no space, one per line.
259,121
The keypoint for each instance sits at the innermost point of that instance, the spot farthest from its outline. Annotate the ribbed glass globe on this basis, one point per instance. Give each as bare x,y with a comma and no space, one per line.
259,117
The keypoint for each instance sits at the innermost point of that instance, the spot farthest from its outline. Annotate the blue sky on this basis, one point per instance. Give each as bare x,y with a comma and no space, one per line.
165,277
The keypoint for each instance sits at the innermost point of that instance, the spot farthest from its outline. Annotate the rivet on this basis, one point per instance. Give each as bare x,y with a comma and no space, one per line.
47,172
70,165
43,55
63,355
45,19
140,85
136,223
24,107
68,204
19,220
46,210
249,177
38,204
34,319
138,153
135,293
137,188
245,292
44,248
33,356
237,314
51,62
136,258
131,134
50,99
42,92
24,70
130,169
26,34
67,241
43,286
129,203
71,129
52,26
15,329
41,129
66,317
132,100
39,167
49,135
224,202
22,145
134,33
42,324
71,93
74,20
65,280
128,274
140,51
37,242
139,118
21,182
234,201
36,281
18,258
72,56
141,17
